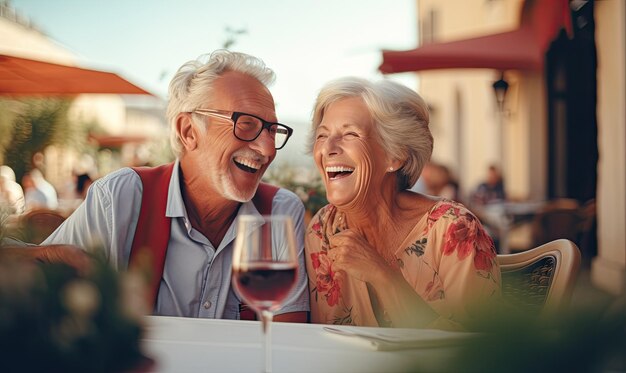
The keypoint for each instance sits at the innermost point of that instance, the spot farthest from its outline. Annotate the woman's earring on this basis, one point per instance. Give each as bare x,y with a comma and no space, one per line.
390,169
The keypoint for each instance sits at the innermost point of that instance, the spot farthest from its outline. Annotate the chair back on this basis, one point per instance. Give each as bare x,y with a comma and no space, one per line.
39,224
587,238
540,279
559,218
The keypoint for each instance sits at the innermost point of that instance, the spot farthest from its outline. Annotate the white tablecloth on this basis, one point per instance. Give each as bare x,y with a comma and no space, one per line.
202,345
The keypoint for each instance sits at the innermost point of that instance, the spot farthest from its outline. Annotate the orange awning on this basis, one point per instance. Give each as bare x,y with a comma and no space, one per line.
113,141
21,76
521,49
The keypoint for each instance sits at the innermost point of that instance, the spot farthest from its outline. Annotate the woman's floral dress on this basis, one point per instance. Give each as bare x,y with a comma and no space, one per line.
447,258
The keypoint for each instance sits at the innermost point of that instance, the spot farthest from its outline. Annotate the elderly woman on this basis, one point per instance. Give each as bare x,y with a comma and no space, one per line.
379,254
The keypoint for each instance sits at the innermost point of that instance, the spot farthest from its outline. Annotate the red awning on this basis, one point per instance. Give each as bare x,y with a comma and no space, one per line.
522,49
509,50
21,76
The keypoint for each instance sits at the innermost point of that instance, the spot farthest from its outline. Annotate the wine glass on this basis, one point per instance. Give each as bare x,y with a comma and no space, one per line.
265,267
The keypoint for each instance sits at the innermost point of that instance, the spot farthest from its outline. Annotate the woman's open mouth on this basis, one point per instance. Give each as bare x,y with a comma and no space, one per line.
338,172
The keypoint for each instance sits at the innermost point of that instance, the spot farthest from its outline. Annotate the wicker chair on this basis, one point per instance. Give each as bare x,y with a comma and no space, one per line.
542,279
559,218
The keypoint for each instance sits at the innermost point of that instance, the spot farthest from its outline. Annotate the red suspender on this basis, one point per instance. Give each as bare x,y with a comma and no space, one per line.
264,197
152,234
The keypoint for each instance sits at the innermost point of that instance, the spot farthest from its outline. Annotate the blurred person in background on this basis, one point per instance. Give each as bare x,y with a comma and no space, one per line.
11,193
491,190
436,180
38,192
225,134
379,254
83,182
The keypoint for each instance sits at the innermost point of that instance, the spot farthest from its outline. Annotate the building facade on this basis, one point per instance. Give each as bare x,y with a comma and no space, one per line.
551,138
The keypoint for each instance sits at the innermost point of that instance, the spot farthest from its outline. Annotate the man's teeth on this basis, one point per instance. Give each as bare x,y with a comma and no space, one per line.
339,169
248,163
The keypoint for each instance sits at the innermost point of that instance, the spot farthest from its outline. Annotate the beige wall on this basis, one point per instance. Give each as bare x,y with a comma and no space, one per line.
21,41
609,267
460,19
108,110
466,123
525,128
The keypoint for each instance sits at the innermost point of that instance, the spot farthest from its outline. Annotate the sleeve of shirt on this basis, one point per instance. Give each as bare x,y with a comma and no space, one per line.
468,275
106,219
288,203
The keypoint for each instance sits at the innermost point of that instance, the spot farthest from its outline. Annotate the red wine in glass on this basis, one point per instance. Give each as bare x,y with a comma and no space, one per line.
265,267
265,284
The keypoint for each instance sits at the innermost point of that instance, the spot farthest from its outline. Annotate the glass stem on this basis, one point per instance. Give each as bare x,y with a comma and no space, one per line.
266,321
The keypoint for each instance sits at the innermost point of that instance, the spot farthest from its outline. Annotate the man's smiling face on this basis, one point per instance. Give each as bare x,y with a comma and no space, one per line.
233,167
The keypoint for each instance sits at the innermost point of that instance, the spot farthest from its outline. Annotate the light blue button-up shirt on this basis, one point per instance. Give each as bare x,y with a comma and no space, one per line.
197,276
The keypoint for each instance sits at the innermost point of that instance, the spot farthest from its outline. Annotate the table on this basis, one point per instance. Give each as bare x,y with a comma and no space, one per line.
208,345
503,216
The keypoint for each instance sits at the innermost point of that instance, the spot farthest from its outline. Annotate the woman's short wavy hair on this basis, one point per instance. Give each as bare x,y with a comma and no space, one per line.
400,117
193,83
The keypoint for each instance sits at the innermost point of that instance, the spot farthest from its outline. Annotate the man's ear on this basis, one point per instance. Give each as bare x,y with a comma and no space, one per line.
186,131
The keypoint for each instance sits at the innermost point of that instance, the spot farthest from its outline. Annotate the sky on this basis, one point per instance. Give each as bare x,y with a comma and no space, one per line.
306,42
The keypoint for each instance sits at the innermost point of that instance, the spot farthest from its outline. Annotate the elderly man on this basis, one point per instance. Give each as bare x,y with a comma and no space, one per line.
225,134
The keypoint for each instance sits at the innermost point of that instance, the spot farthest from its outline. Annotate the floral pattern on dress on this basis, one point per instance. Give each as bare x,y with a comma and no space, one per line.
326,287
325,284
447,257
465,236
447,209
317,229
434,289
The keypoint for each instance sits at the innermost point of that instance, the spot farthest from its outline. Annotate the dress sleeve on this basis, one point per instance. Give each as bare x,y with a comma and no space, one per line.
313,247
331,302
462,273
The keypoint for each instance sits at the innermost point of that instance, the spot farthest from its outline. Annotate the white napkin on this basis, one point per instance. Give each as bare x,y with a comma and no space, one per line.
398,339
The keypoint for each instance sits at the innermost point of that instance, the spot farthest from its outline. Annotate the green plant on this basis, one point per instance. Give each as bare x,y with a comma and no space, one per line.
309,188
34,125
516,340
53,318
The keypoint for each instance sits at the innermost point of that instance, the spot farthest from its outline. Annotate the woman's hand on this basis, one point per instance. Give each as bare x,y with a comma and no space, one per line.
351,253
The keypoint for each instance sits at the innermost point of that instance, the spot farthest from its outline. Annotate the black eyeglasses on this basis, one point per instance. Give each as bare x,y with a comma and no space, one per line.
247,127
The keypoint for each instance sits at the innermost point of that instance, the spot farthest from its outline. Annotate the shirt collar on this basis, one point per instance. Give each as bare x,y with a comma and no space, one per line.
175,204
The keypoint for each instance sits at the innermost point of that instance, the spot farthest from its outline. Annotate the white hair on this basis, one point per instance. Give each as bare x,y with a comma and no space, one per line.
400,117
193,82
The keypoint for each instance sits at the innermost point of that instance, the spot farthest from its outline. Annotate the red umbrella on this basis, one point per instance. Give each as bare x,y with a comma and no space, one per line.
21,76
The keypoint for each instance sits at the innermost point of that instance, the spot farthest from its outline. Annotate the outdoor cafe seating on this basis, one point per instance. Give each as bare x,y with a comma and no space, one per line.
520,226
541,279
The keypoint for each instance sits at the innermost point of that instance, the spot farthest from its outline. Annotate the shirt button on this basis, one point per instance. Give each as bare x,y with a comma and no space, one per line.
207,305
